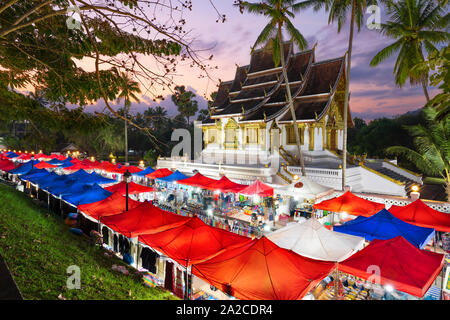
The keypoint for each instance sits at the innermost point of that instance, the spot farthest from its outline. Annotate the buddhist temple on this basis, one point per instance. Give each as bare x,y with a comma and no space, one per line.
250,131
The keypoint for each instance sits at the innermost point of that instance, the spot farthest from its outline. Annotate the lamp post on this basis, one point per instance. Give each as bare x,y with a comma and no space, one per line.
32,161
126,176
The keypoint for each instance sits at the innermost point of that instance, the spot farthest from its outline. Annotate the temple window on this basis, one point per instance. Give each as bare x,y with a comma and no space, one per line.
290,135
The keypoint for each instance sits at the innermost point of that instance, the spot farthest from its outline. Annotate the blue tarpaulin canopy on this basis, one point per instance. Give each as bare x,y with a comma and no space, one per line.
177,175
383,226
39,179
56,162
34,173
144,172
24,168
90,194
65,164
94,177
11,154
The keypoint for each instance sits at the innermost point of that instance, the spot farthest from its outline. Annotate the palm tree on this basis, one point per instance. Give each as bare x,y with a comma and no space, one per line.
417,27
185,102
338,12
432,143
128,89
279,12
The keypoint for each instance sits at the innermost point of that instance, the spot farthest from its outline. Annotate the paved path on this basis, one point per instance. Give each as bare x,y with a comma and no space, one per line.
8,287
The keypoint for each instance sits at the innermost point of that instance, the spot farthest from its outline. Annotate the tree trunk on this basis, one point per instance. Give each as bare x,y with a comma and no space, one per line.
126,135
347,87
425,90
447,189
291,104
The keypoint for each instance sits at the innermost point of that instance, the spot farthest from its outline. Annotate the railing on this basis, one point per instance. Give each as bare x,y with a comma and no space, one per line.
240,172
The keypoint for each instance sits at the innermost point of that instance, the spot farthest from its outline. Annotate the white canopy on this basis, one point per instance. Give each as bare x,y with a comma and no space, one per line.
304,187
311,239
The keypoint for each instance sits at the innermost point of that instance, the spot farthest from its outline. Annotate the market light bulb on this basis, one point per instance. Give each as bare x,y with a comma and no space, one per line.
415,188
295,177
389,288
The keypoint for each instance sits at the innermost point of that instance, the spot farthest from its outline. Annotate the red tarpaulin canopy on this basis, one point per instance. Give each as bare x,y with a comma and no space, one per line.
197,180
44,165
225,185
401,265
6,165
114,204
419,214
77,166
41,155
351,204
257,189
107,166
193,242
160,173
57,156
24,156
133,188
131,169
144,219
261,270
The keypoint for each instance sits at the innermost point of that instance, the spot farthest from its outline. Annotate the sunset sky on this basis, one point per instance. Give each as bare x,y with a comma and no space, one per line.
373,91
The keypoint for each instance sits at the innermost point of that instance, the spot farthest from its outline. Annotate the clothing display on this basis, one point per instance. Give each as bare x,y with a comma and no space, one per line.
105,233
149,259
178,285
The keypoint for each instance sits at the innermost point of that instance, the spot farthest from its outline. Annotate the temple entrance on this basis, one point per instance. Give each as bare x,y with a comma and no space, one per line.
333,139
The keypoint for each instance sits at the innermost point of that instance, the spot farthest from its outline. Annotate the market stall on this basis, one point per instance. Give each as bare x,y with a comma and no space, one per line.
143,219
420,214
92,212
311,239
395,264
297,199
345,207
239,272
383,226
136,191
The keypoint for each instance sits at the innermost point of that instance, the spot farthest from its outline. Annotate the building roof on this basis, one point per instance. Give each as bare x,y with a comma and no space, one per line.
258,91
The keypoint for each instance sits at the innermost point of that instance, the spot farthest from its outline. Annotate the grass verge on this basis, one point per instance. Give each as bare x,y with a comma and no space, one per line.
39,248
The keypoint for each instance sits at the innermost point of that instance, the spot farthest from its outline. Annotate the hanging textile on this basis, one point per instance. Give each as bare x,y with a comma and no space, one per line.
179,284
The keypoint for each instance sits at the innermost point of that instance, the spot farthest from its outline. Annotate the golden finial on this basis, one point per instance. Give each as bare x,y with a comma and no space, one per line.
243,110
265,118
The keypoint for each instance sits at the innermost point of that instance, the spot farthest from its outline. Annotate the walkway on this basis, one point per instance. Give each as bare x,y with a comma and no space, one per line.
8,287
